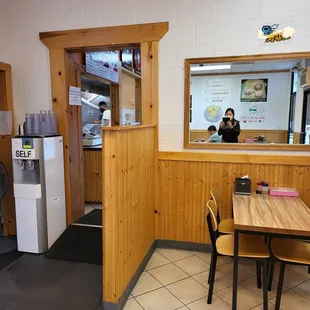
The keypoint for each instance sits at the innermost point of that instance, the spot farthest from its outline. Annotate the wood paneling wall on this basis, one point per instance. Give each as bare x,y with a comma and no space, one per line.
6,104
185,184
93,175
276,136
129,203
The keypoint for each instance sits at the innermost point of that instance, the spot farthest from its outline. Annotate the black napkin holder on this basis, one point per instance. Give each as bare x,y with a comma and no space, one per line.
242,186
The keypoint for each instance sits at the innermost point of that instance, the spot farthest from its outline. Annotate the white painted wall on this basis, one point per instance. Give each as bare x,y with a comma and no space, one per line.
276,107
198,28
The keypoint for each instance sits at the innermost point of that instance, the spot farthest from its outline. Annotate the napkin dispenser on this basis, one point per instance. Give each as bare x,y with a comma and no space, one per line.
243,186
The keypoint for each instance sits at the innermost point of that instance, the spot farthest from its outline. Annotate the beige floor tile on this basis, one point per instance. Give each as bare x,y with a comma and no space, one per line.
221,280
183,308
221,260
303,270
174,255
252,286
188,290
246,299
88,208
157,260
261,307
145,284
192,265
206,257
244,272
217,304
168,274
132,305
248,262
159,300
291,278
97,206
291,300
303,289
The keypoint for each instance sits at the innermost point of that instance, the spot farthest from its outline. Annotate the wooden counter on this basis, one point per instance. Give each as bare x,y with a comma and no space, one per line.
93,174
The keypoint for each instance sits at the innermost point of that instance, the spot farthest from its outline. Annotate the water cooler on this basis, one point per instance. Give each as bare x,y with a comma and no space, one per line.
39,191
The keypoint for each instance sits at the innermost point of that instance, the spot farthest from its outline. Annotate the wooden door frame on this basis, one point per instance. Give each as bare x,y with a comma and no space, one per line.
61,43
6,104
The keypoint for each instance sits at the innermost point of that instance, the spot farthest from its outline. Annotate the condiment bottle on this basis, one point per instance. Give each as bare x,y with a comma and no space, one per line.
259,188
265,187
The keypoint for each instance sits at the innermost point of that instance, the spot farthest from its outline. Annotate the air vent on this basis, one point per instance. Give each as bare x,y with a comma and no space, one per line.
244,63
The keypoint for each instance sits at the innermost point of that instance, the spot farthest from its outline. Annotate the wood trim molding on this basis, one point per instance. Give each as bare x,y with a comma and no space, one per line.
230,146
123,128
243,73
95,37
6,104
236,158
246,58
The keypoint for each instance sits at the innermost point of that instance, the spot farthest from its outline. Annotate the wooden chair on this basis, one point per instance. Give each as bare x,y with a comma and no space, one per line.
249,247
225,226
287,251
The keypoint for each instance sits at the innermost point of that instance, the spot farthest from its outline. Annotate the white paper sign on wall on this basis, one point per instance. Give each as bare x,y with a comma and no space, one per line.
74,95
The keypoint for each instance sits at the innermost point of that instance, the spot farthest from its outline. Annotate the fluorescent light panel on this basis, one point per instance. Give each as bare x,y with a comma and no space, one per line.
209,68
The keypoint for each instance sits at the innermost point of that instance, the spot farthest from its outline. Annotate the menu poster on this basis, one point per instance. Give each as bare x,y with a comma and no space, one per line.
127,59
254,90
137,60
104,64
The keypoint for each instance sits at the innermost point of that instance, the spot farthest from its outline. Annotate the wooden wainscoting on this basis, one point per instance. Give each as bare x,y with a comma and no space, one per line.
276,136
93,175
296,137
128,156
185,181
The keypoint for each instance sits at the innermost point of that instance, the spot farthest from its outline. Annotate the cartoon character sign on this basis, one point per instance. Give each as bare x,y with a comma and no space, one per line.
271,33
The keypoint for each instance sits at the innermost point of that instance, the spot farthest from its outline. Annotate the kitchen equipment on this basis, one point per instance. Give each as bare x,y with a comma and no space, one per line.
92,139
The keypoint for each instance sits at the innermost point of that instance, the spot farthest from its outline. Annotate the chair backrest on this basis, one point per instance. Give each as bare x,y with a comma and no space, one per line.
212,222
216,196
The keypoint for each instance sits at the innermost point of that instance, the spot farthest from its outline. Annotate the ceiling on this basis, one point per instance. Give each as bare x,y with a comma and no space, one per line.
254,66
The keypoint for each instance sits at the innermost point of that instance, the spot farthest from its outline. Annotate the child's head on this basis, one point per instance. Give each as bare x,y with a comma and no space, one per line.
212,130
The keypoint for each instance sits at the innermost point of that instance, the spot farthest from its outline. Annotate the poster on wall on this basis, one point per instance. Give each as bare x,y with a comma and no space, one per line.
253,114
127,59
217,95
254,90
104,64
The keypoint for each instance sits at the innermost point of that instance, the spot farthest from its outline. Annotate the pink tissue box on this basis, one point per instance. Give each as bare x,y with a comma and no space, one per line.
284,192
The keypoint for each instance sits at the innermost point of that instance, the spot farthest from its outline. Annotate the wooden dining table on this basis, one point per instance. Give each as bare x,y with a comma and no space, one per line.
266,215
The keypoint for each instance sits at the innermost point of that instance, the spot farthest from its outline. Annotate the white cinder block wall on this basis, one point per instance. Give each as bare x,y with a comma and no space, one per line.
198,28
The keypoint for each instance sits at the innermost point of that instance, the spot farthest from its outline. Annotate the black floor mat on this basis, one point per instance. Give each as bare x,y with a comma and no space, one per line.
8,258
78,244
37,283
92,218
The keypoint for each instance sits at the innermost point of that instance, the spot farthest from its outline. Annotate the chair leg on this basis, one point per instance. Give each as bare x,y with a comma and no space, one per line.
212,258
212,278
270,275
280,286
308,269
258,274
265,284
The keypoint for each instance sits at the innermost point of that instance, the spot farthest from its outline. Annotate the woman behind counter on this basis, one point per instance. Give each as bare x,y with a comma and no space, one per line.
231,130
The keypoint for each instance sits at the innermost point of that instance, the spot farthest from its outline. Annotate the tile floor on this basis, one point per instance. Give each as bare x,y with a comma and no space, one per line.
91,207
177,279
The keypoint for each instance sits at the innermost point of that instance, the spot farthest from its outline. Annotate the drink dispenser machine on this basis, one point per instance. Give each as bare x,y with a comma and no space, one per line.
39,191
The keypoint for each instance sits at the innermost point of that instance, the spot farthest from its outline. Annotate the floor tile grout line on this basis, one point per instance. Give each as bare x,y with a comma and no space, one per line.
159,266
138,303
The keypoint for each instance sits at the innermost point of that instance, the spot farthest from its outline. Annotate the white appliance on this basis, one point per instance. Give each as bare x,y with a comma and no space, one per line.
92,139
39,191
